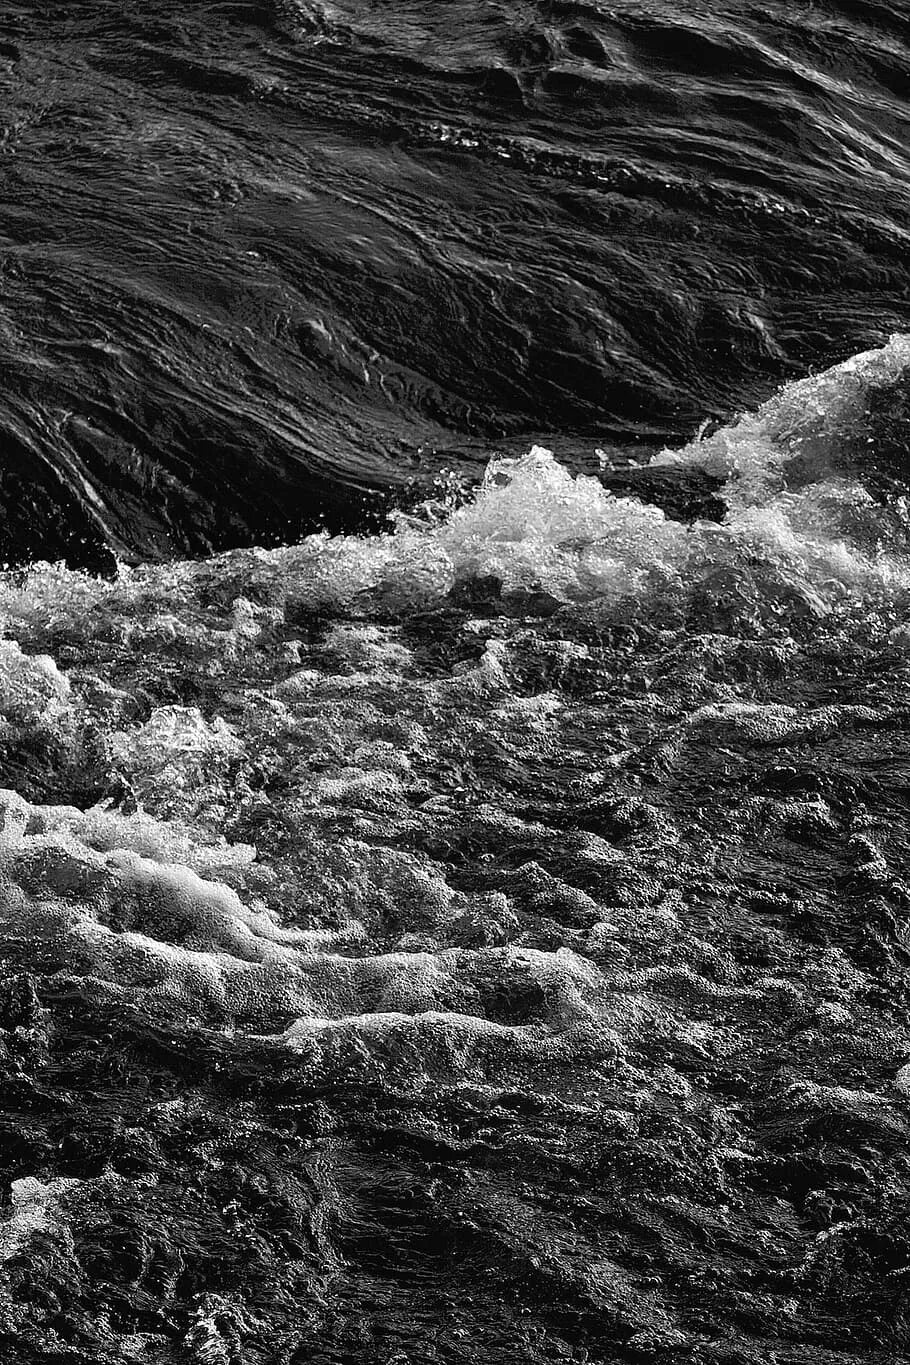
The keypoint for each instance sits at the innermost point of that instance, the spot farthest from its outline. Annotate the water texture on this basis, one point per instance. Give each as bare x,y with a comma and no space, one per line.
263,264
454,684
483,941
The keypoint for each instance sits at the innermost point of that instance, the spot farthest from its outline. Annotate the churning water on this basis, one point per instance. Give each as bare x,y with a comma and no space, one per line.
476,931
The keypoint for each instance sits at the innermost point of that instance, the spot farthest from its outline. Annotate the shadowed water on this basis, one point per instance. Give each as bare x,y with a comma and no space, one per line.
260,261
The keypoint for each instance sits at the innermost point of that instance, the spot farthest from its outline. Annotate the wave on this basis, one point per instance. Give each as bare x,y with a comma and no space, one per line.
811,486
290,261
353,669
546,833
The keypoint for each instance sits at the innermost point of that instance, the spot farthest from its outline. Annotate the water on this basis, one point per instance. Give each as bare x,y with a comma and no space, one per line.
264,264
466,921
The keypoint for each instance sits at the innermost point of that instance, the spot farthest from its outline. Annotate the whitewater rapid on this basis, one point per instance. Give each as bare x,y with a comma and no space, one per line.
543,831
289,686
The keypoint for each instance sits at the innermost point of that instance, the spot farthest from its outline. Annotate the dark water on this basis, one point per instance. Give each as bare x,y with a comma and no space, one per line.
262,260
481,934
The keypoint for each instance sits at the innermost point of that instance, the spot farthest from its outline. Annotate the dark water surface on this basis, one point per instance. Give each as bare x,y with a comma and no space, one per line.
261,259
481,938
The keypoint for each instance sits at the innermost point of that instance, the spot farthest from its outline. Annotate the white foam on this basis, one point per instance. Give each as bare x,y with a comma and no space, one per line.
34,1206
320,930
32,689
795,508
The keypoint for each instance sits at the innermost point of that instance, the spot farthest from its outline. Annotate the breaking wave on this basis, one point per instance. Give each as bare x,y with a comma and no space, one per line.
547,821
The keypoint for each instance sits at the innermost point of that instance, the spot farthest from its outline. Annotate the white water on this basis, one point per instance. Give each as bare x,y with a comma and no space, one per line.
327,936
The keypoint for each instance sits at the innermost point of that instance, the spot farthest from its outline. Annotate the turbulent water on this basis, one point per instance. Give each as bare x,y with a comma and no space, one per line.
477,931
483,941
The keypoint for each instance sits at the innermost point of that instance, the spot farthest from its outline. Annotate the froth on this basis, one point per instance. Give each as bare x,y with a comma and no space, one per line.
190,945
266,822
797,508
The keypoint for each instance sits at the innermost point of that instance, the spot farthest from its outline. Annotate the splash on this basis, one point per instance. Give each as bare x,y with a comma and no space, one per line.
801,519
232,865
546,825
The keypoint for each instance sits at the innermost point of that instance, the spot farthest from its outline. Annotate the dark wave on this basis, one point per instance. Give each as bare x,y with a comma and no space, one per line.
266,265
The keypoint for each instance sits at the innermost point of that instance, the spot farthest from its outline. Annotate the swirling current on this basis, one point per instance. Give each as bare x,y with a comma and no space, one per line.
454,683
